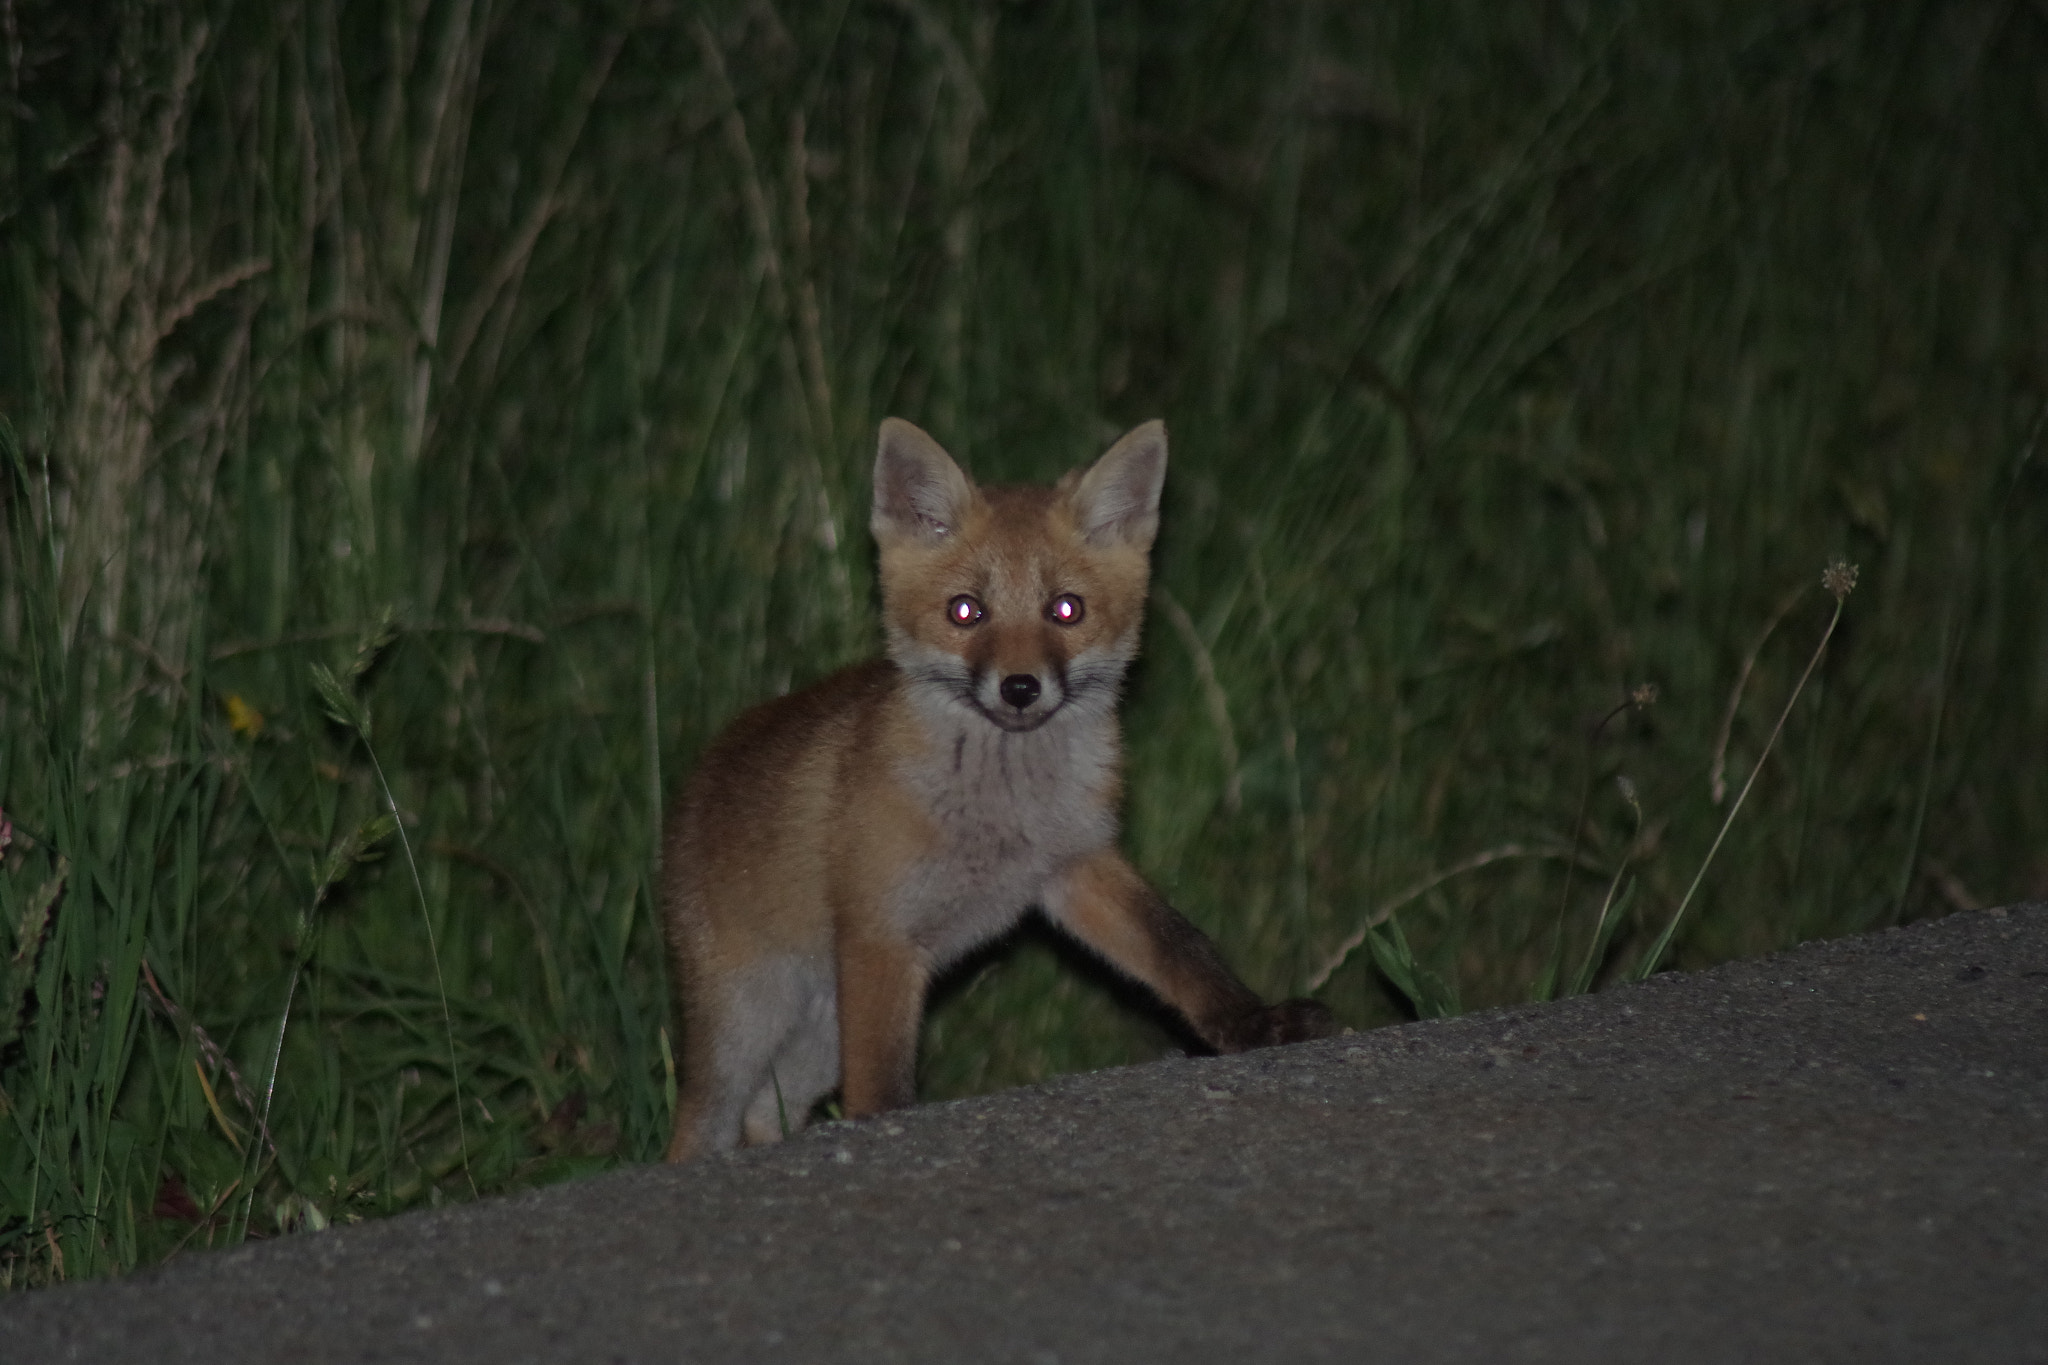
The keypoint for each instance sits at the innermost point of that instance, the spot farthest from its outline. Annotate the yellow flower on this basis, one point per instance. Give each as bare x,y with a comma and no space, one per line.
243,718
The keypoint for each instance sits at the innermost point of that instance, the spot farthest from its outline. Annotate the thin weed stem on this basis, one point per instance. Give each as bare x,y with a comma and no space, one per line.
1213,696
345,708
1839,579
1564,901
1926,783
433,956
1641,698
1596,946
1716,775
1290,747
257,1148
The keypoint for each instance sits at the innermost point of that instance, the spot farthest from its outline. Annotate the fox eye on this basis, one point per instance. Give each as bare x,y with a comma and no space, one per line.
964,611
1067,609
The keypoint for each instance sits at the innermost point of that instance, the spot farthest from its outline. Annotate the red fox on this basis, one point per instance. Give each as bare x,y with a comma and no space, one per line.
838,846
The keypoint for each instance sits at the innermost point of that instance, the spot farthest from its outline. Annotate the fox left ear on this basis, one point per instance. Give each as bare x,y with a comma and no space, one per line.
1117,500
920,494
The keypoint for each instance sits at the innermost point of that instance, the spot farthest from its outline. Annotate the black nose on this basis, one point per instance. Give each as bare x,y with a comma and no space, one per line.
1020,690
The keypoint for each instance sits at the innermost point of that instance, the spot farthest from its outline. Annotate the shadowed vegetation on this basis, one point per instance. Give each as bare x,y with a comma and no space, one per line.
427,421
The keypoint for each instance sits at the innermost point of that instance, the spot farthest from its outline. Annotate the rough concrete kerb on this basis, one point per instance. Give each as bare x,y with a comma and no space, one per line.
1839,1152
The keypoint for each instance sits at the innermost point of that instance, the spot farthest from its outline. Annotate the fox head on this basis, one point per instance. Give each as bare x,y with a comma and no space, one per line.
1015,604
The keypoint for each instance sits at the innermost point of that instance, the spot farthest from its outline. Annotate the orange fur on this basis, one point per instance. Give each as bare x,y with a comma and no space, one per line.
838,847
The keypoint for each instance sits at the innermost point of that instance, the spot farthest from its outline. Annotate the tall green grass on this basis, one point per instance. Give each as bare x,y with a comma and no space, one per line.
515,370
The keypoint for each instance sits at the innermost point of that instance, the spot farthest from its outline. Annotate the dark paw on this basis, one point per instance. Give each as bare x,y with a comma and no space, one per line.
1290,1021
1297,1021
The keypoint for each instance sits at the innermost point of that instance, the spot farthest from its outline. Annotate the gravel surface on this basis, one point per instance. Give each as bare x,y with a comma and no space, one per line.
1839,1153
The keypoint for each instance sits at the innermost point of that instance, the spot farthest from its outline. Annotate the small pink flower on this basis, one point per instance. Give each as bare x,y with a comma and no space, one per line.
6,831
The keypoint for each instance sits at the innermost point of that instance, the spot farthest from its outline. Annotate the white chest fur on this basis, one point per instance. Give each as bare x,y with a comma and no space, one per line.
1011,809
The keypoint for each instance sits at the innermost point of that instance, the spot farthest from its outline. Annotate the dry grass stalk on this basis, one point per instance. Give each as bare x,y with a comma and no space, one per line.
1715,774
1840,580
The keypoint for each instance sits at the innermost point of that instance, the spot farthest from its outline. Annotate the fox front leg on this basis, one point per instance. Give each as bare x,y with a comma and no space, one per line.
1105,903
882,982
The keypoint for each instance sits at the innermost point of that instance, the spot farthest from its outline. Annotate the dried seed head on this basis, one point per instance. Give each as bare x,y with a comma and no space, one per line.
1644,696
1839,578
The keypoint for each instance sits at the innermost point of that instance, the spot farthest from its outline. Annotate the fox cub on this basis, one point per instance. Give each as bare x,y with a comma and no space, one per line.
840,845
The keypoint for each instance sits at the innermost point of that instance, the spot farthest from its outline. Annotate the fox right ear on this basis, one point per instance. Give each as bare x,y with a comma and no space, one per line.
919,492
1117,499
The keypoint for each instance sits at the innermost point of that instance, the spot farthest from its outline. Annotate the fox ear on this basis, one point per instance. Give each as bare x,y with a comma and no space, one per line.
919,492
1117,500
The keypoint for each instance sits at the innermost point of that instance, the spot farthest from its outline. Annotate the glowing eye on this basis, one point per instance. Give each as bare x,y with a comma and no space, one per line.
1066,609
964,610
